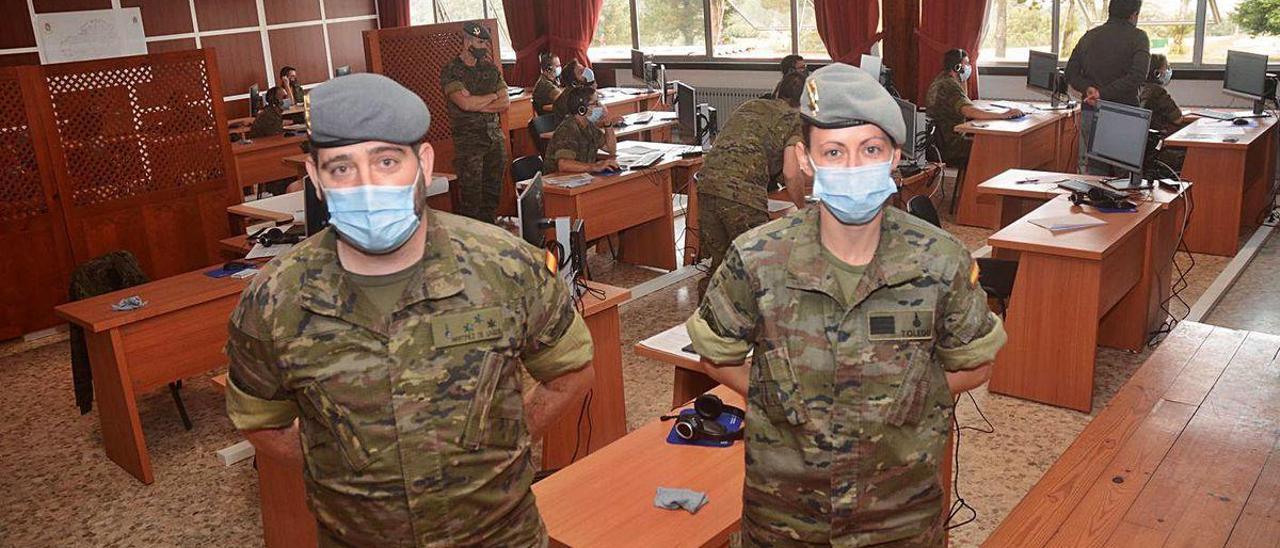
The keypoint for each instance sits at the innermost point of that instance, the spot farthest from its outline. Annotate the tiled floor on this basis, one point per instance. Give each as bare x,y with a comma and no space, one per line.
58,489
1253,302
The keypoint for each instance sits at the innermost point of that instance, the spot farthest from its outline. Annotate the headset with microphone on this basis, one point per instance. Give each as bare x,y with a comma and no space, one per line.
702,424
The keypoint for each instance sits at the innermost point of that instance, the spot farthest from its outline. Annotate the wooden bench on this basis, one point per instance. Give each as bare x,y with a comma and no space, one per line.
1186,454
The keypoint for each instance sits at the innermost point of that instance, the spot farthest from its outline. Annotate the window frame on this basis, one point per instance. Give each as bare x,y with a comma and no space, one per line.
486,13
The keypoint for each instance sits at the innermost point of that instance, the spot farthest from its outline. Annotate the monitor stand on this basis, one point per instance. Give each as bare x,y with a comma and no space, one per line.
1055,103
1133,182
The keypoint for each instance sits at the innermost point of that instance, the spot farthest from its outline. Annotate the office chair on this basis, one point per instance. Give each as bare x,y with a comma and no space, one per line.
542,123
111,272
933,153
525,167
921,206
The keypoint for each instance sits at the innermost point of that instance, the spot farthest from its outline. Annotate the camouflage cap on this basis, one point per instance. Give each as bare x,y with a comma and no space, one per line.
475,29
839,96
365,107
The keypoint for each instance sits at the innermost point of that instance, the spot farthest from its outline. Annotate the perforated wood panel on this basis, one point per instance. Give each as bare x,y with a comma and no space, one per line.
140,161
33,239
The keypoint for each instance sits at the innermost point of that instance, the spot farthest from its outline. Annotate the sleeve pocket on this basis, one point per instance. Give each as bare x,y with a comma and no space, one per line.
781,391
341,427
487,424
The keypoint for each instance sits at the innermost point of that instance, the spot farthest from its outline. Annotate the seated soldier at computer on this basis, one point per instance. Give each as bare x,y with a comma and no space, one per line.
270,120
1166,116
585,130
948,105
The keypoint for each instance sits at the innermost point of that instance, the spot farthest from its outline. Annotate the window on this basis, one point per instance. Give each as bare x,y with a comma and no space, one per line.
613,32
1241,25
671,27
754,29
426,12
1013,28
811,46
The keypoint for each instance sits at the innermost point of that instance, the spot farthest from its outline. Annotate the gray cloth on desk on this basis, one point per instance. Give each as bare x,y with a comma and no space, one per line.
674,499
129,303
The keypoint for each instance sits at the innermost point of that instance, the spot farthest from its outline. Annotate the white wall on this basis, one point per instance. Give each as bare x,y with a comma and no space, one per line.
1188,93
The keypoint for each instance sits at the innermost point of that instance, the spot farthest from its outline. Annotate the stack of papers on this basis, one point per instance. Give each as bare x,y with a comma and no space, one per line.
568,181
1067,222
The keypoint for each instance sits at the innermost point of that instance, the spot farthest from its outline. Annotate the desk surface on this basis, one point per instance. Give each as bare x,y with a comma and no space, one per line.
242,147
1007,184
600,181
1186,454
1021,126
632,129
668,347
623,478
162,296
1087,243
1201,133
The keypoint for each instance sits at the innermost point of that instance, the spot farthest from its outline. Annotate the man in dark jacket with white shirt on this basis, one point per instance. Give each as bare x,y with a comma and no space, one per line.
1110,64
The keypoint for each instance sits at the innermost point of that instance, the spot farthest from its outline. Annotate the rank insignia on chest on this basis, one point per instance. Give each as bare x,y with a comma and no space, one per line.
467,327
900,325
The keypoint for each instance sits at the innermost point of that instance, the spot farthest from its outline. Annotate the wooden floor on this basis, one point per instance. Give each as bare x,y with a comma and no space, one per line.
1187,454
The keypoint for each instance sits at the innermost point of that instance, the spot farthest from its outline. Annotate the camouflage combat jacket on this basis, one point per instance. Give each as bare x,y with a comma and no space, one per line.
543,102
412,425
944,102
748,152
848,408
484,78
573,140
1165,113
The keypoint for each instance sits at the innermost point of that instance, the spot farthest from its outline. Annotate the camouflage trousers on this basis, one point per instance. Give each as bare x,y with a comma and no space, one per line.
480,167
719,222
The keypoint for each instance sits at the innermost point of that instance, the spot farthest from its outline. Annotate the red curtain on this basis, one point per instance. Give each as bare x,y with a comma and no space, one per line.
526,22
571,24
847,27
946,24
393,13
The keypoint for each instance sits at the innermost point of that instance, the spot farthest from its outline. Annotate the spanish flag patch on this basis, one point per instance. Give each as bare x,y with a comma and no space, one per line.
973,274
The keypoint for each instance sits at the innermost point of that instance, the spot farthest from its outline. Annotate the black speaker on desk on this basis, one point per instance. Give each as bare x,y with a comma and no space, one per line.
317,214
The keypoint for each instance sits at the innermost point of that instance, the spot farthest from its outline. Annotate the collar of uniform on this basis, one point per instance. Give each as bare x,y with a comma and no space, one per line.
326,289
807,269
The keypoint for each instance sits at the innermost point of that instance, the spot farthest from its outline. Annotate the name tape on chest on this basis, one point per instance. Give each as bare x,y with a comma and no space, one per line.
900,325
467,327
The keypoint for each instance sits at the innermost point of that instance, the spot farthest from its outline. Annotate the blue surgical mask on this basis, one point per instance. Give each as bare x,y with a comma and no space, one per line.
558,71
854,195
965,72
596,114
286,103
1166,76
375,219
588,75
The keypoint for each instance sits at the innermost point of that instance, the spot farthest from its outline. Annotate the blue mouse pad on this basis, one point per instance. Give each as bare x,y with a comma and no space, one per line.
732,423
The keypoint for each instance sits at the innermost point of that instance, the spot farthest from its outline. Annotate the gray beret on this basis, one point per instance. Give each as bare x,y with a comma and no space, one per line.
839,96
475,29
365,107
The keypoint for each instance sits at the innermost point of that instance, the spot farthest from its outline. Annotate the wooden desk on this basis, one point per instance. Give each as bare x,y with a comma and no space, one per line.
179,334
606,499
521,111
1041,140
262,160
1233,181
636,205
1186,454
1015,199
690,380
1075,290
656,130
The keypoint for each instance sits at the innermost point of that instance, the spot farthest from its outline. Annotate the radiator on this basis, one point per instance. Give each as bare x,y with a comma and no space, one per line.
726,100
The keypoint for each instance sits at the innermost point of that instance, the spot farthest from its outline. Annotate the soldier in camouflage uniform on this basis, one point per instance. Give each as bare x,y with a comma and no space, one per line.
270,120
1166,115
575,146
752,151
861,328
546,91
947,102
477,95
401,355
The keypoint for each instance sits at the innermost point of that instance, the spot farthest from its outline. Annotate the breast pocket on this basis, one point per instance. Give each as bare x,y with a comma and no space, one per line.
339,426
496,411
919,379
780,392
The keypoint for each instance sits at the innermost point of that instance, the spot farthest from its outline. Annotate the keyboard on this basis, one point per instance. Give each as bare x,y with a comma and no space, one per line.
640,120
648,160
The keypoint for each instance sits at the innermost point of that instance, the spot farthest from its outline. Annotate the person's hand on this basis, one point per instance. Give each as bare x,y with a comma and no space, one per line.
1014,113
1092,95
607,165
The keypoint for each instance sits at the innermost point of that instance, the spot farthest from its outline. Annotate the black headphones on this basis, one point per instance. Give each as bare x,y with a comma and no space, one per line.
702,425
544,59
580,103
1097,198
274,236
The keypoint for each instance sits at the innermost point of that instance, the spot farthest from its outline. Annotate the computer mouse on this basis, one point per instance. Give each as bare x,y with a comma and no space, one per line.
1240,121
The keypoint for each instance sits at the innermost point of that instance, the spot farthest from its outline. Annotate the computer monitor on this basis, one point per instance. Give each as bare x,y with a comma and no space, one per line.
314,210
909,117
342,71
872,65
637,65
530,211
1120,139
255,100
1246,77
687,107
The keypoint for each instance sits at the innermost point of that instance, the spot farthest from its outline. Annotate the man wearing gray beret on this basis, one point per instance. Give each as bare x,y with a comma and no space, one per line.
383,352
864,321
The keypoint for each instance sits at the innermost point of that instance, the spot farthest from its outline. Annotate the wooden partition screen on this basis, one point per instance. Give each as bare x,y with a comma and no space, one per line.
414,56
36,261
140,157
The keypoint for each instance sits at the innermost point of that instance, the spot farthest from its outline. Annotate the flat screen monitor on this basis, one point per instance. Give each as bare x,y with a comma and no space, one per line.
637,65
687,105
872,65
342,71
530,211
909,118
1120,137
1042,71
255,100
1246,75
314,210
